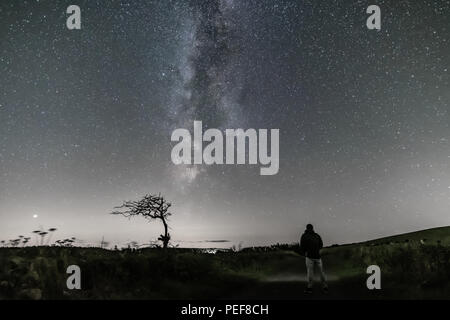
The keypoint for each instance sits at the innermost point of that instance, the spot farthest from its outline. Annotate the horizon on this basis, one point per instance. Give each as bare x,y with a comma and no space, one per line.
201,244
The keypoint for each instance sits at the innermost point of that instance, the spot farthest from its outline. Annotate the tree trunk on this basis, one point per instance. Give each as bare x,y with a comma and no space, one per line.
165,239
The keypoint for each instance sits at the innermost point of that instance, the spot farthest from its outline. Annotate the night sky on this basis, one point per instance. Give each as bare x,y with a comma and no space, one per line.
86,117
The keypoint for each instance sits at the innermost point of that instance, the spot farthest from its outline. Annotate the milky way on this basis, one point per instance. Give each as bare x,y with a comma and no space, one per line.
86,117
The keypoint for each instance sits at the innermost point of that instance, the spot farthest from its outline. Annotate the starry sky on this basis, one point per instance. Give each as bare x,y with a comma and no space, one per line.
86,117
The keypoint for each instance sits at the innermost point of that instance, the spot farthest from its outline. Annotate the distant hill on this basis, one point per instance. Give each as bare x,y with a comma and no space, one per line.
431,235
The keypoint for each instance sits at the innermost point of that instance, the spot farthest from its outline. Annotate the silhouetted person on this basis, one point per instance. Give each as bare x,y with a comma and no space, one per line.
310,245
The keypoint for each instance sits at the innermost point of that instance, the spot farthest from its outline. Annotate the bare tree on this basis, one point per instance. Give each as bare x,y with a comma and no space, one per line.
151,207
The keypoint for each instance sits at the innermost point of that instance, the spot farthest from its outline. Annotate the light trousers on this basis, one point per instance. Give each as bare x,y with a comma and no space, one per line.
310,264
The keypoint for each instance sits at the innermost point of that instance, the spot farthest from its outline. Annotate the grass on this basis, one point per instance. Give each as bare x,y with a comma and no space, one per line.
409,270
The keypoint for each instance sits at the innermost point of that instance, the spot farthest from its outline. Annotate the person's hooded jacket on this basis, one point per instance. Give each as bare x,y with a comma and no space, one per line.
310,244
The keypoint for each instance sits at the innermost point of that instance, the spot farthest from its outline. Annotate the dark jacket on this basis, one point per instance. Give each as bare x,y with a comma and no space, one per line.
310,244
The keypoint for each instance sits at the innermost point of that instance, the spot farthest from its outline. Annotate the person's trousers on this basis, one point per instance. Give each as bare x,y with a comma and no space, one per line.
310,264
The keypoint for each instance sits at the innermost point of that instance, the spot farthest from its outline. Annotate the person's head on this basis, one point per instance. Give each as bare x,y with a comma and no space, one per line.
309,227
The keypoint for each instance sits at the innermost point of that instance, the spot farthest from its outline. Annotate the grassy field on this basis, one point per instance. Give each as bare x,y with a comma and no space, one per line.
410,268
434,235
